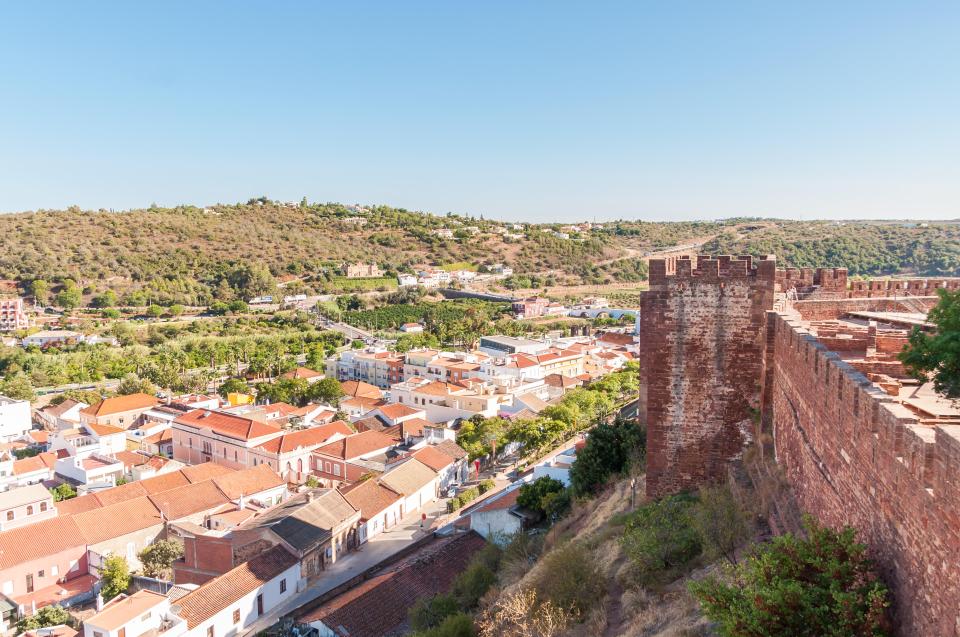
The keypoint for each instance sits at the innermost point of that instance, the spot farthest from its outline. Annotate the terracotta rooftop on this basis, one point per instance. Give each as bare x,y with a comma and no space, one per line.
248,481
414,427
105,430
505,501
306,438
370,497
161,436
220,592
121,404
39,462
106,523
122,609
398,410
228,425
164,481
192,498
433,458
58,410
363,403
451,448
20,545
204,471
120,493
357,445
302,372
360,389
379,606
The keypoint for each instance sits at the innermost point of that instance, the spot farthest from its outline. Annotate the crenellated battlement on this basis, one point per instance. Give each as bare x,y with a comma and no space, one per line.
709,268
869,454
879,288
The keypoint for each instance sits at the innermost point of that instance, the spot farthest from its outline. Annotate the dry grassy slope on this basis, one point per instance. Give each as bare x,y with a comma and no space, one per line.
191,242
626,610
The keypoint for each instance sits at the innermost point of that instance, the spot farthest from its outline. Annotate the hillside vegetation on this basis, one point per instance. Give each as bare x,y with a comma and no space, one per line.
192,255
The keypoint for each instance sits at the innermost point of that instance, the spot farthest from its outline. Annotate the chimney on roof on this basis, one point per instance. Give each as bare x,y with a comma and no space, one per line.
241,503
310,495
205,414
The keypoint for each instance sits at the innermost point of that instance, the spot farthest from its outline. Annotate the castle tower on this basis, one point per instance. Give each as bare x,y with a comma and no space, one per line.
702,342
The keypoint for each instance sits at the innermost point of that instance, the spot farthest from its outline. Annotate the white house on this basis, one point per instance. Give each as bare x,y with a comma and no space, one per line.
411,328
406,280
25,505
499,518
131,616
14,418
48,338
379,506
418,483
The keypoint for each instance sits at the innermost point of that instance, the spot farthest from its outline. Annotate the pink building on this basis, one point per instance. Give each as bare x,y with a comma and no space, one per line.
12,315
212,436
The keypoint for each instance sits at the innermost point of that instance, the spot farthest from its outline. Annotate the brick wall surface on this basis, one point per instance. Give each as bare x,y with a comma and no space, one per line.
702,342
854,456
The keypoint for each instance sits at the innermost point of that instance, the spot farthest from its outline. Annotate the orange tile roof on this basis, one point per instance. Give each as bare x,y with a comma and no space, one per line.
451,448
121,404
161,436
302,372
124,492
436,460
105,430
204,471
164,482
107,523
357,445
409,477
131,458
220,592
38,540
122,609
39,435
228,425
360,389
437,388
306,438
39,462
414,427
77,505
364,403
503,502
370,497
188,500
248,481
398,410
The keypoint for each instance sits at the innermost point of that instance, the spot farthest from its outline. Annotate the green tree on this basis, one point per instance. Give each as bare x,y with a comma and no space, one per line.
937,355
821,585
176,310
114,576
158,558
63,492
155,311
471,584
326,391
537,495
610,450
105,299
18,387
70,296
40,290
53,615
233,385
133,384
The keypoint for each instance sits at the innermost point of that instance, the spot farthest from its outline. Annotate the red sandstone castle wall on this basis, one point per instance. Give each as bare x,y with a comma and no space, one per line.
854,456
702,326
874,288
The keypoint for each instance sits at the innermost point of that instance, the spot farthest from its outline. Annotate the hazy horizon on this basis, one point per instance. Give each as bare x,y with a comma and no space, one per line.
516,112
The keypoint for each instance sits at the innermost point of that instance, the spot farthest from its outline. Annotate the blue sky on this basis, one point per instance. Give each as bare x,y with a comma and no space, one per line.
517,110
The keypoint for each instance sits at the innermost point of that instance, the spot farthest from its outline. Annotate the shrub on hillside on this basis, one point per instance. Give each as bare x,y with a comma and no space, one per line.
459,625
471,584
570,578
821,585
660,538
428,612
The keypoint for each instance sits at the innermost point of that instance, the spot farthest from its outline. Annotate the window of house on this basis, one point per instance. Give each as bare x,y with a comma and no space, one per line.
336,470
209,631
144,618
41,573
97,633
54,570
30,510
43,507
9,515
283,585
190,442
328,467
236,616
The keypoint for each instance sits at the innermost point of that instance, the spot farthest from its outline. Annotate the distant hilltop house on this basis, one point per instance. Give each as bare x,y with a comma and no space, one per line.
357,221
406,280
444,233
411,328
12,315
499,268
362,270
